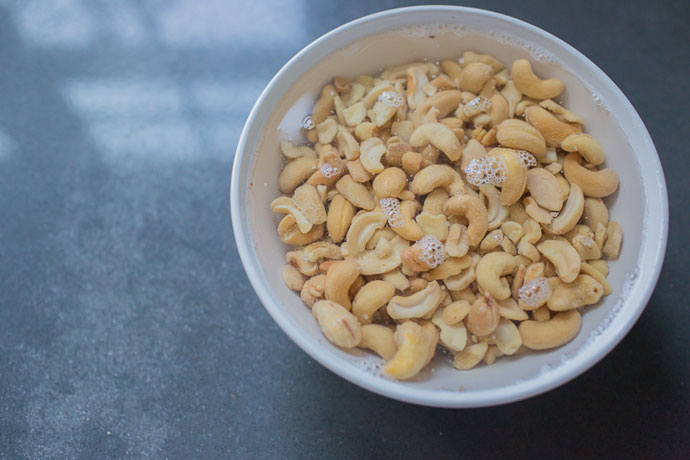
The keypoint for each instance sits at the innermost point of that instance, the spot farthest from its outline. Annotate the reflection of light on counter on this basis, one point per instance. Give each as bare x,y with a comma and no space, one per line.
113,97
7,145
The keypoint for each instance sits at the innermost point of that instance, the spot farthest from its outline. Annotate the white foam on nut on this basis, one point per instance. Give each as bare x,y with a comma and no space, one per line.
526,158
391,207
535,292
329,170
391,99
486,171
308,123
479,103
433,252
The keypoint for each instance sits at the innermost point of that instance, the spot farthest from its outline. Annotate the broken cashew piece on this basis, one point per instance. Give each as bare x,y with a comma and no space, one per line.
362,229
520,135
453,337
371,152
470,356
287,205
571,213
585,290
338,325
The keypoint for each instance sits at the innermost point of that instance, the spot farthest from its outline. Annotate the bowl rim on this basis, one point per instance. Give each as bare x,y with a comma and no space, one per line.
644,286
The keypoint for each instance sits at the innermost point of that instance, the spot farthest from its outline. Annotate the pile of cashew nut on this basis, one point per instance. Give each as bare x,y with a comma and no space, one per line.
454,204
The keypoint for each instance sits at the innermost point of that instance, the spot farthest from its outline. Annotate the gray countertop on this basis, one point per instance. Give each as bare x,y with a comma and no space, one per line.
128,328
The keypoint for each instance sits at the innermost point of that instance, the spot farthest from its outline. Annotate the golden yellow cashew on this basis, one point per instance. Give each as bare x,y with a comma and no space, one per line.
438,135
362,228
464,279
596,184
561,112
474,75
374,295
326,130
585,290
544,188
416,80
470,356
339,278
357,171
338,325
559,330
355,114
287,205
490,271
553,130
433,224
324,105
452,337
507,337
590,270
444,102
292,152
290,234
585,145
468,57
586,246
409,229
292,278
571,213
390,182
614,236
456,311
417,305
355,193
437,176
531,85
340,214
498,110
413,348
379,339
564,258
296,172
512,230
472,208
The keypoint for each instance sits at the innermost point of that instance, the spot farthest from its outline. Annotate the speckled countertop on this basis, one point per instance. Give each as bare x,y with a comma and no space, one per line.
127,326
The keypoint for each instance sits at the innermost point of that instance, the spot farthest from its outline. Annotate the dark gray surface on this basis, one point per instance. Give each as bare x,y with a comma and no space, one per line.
127,326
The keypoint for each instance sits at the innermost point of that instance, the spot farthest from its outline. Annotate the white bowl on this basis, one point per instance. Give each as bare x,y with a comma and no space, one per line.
369,44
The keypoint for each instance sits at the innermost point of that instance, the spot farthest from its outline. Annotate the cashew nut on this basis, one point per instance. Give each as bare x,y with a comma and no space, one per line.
490,271
324,106
531,85
390,182
512,230
338,325
595,212
584,290
293,152
474,150
498,111
470,356
355,193
507,337
371,152
437,176
379,339
536,212
296,172
418,304
396,279
561,112
456,242
339,278
322,250
375,263
416,80
496,211
585,145
509,309
374,295
456,312
472,208
559,330
413,348
474,75
409,229
571,213
452,337
433,224
614,236
438,135
292,278
564,258
313,290
553,130
590,270
520,135
340,214
544,188
309,202
290,234
596,184
450,267
362,228
444,102
287,205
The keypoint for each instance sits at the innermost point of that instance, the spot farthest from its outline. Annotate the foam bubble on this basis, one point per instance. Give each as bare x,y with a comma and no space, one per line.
479,103
433,253
308,123
391,99
535,292
526,158
391,207
486,170
329,170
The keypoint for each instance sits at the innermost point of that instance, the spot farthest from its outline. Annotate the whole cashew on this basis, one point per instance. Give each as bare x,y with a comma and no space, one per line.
553,130
517,134
413,348
437,176
496,211
490,271
585,145
355,193
559,330
390,182
409,230
338,325
418,304
531,85
498,110
564,258
440,136
292,278
362,228
339,278
472,208
571,213
296,172
474,75
290,234
468,57
371,152
596,184
509,309
324,105
444,102
374,295
379,339
456,312
292,152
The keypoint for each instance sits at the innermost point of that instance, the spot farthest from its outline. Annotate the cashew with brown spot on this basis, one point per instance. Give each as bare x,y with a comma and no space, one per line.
338,325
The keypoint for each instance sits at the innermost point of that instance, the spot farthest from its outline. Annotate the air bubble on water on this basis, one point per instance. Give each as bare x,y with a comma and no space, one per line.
391,99
391,207
433,253
478,103
632,275
308,123
329,170
526,158
486,170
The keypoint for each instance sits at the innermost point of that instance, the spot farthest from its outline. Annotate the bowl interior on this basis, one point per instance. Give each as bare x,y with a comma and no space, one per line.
369,46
